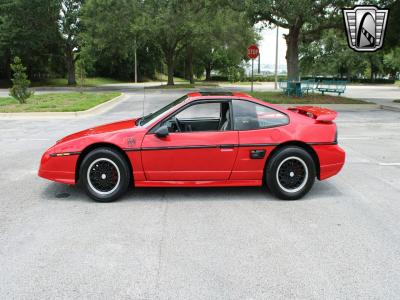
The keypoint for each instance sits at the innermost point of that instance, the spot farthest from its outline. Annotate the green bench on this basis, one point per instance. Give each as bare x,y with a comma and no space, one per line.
331,86
308,85
290,88
297,88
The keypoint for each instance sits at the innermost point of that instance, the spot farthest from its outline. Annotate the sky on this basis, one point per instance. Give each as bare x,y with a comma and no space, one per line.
267,46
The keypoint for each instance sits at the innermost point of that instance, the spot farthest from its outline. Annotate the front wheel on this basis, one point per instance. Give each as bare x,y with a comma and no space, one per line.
104,174
290,173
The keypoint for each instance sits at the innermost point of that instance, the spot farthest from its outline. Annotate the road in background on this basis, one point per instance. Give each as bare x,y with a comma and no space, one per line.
340,241
383,94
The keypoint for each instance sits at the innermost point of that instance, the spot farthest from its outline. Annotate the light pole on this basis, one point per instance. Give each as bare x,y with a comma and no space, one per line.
276,58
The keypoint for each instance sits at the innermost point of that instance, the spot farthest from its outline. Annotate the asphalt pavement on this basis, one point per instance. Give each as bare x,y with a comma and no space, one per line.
341,241
382,94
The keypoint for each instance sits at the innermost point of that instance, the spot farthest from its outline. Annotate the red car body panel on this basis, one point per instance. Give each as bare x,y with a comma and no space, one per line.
207,158
181,162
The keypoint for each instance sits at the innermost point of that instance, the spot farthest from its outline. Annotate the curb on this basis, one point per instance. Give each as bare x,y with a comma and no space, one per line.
391,108
98,109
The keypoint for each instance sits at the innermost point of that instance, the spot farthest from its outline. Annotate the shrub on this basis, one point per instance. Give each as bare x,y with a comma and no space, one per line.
20,89
235,74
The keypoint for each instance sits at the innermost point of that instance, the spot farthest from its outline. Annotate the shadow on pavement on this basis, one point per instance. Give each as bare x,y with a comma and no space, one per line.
62,192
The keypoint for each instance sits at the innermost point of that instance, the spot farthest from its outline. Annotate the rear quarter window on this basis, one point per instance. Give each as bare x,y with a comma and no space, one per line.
251,116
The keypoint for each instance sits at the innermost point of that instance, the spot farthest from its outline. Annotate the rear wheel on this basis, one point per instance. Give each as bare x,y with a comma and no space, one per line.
104,174
290,173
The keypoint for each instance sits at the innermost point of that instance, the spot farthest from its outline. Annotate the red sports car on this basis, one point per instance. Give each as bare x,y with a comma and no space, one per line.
202,140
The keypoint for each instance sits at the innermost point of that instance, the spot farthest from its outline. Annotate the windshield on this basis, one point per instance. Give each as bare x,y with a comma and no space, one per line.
147,118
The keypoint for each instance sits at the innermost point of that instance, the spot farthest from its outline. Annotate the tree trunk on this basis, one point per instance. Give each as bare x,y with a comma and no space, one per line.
189,64
208,72
70,66
292,53
170,65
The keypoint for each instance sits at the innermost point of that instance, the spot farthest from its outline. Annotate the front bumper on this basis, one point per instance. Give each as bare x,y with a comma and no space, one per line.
58,168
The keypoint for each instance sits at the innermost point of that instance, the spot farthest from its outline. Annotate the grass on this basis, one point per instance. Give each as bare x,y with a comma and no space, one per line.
164,77
240,83
280,98
56,102
88,82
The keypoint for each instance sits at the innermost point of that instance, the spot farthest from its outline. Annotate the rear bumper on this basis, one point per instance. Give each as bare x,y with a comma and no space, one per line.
331,160
329,170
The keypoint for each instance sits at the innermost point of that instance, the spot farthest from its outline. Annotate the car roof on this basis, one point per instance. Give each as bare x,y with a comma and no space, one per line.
216,94
210,95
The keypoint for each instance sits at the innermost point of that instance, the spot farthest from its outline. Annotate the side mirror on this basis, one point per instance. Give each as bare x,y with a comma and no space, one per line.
162,131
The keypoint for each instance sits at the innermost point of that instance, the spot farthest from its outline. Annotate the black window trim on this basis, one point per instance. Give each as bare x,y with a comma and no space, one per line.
195,102
256,103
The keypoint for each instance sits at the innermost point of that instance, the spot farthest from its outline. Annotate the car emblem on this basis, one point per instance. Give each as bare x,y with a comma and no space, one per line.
365,27
131,142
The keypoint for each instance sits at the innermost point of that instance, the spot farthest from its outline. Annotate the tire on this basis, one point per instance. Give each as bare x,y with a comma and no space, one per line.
290,173
104,174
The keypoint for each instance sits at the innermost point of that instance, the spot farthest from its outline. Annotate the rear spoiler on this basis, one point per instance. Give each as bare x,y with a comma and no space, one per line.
320,114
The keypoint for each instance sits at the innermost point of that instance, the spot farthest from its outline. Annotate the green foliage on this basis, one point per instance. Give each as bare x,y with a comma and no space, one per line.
391,62
112,31
29,29
20,89
305,19
222,43
235,73
182,38
330,55
393,26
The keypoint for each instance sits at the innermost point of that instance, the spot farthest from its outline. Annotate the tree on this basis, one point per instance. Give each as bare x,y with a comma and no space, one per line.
70,27
305,20
20,81
393,25
331,55
172,27
29,30
391,62
113,31
223,43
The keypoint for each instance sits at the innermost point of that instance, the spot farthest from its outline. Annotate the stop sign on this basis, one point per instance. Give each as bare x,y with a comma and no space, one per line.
252,51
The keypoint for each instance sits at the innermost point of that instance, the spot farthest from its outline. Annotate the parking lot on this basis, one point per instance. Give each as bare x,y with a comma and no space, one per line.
341,241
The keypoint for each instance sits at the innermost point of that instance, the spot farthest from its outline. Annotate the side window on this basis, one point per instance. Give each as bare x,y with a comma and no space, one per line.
201,111
207,116
250,116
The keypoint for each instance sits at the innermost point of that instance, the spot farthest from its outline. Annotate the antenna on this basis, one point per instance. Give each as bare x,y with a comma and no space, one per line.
144,98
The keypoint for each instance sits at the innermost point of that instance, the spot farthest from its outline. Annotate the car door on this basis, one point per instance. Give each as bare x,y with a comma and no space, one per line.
260,130
205,150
